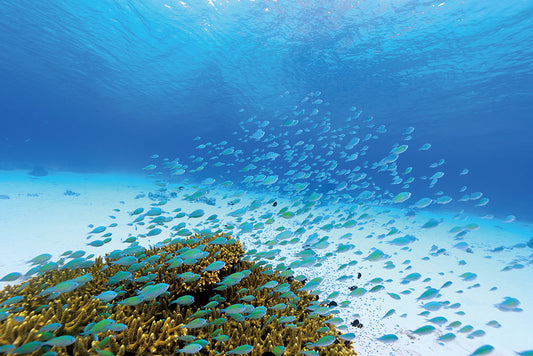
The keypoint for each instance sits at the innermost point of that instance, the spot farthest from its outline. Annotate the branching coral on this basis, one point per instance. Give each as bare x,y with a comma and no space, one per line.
145,315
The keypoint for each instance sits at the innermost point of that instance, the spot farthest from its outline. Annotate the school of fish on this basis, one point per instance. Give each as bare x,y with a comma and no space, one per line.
286,185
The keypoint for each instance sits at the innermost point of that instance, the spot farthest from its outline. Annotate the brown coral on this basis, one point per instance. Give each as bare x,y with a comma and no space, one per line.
157,327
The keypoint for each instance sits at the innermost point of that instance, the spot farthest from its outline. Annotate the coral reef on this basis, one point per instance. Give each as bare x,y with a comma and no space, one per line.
196,295
38,172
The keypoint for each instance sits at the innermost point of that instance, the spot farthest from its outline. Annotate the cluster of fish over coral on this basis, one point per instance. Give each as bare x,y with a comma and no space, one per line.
199,294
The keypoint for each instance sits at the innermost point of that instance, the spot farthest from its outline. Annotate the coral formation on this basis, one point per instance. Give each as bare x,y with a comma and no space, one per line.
38,172
171,297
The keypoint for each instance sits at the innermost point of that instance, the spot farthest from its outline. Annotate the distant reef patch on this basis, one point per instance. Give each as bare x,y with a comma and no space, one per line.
38,172
71,193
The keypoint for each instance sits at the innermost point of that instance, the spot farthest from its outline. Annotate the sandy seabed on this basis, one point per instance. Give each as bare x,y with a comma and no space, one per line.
39,217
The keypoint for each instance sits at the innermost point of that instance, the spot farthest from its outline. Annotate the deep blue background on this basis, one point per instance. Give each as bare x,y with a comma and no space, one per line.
102,85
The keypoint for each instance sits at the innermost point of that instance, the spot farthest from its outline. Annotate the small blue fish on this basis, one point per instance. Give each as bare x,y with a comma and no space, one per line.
509,304
424,330
197,214
106,296
258,313
483,350
6,348
347,337
117,327
119,276
196,324
323,341
311,285
270,284
61,287
241,350
98,230
126,261
152,292
11,277
131,301
215,266
184,300
12,300
447,337
28,348
428,294
388,338
221,338
191,348
96,243
101,326
234,309
74,263
61,341
50,327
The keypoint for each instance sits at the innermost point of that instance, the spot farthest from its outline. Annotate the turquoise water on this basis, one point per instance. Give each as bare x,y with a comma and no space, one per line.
103,85
350,124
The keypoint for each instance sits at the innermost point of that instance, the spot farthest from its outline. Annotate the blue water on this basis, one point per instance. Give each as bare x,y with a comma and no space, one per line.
103,85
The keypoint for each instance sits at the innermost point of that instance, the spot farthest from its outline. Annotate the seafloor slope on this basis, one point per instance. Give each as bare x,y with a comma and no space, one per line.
439,283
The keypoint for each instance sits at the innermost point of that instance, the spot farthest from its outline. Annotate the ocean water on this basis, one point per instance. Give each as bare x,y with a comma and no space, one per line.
418,113
102,86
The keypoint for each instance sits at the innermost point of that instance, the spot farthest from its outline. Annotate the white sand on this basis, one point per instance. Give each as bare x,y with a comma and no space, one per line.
53,222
